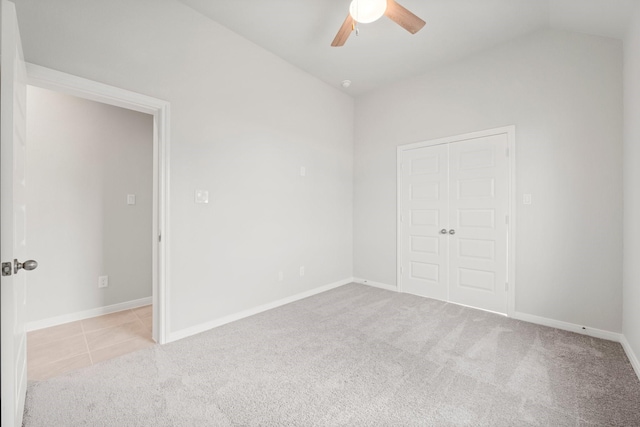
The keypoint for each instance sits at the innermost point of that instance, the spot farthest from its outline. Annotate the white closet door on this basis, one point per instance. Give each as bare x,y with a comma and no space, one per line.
478,208
424,212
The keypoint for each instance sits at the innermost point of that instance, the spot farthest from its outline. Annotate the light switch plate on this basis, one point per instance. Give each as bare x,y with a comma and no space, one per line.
526,199
131,199
202,196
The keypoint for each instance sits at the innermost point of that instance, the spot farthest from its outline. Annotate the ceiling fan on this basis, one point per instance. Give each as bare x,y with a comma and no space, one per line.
365,11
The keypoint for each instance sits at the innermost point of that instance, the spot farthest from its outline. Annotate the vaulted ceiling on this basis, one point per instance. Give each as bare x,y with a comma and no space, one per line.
300,32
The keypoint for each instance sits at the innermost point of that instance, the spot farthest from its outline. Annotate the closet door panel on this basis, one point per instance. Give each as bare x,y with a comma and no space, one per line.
424,214
478,206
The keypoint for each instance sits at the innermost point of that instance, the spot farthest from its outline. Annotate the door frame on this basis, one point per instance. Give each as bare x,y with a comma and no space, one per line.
510,131
47,78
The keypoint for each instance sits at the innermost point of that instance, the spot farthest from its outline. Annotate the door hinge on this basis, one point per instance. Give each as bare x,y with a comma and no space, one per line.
401,218
506,151
506,219
159,238
7,268
401,271
506,286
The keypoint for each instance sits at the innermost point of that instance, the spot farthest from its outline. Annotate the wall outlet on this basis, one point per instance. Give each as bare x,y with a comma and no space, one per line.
103,281
280,276
301,271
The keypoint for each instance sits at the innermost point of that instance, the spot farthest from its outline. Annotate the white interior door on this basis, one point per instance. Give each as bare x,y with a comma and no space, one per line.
12,214
453,229
478,208
424,198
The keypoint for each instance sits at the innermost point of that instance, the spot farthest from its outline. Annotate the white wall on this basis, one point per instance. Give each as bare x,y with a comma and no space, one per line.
631,275
243,122
563,91
83,159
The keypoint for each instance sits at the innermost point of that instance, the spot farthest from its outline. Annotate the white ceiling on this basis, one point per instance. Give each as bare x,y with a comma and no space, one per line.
300,32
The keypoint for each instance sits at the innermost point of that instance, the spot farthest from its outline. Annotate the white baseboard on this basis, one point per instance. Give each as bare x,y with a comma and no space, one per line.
635,362
566,326
193,330
375,284
596,333
72,317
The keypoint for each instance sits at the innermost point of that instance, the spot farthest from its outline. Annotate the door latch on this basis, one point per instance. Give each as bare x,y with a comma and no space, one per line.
6,269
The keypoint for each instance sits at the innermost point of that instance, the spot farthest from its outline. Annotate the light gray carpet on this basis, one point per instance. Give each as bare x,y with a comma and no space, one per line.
354,356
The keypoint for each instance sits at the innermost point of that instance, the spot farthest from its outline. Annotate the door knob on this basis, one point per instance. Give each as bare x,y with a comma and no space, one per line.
27,265
443,231
452,231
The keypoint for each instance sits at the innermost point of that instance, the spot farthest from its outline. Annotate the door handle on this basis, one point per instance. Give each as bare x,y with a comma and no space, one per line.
27,265
452,231
443,231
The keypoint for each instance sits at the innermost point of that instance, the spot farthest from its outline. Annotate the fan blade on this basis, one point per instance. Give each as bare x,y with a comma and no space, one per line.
343,32
403,17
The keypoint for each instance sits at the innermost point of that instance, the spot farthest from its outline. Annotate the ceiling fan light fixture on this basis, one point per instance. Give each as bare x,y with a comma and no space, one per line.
365,11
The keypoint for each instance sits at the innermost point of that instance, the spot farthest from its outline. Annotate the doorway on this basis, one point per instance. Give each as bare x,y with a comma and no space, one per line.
45,78
89,199
455,220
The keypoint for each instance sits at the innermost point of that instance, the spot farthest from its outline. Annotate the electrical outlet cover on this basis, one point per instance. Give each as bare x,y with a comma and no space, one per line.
103,281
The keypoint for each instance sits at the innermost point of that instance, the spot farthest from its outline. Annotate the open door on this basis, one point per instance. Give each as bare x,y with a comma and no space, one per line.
13,247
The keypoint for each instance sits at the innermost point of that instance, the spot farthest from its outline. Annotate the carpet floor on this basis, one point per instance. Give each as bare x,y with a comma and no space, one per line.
354,356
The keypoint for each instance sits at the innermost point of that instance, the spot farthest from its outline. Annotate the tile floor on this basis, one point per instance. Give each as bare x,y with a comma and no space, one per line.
63,348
